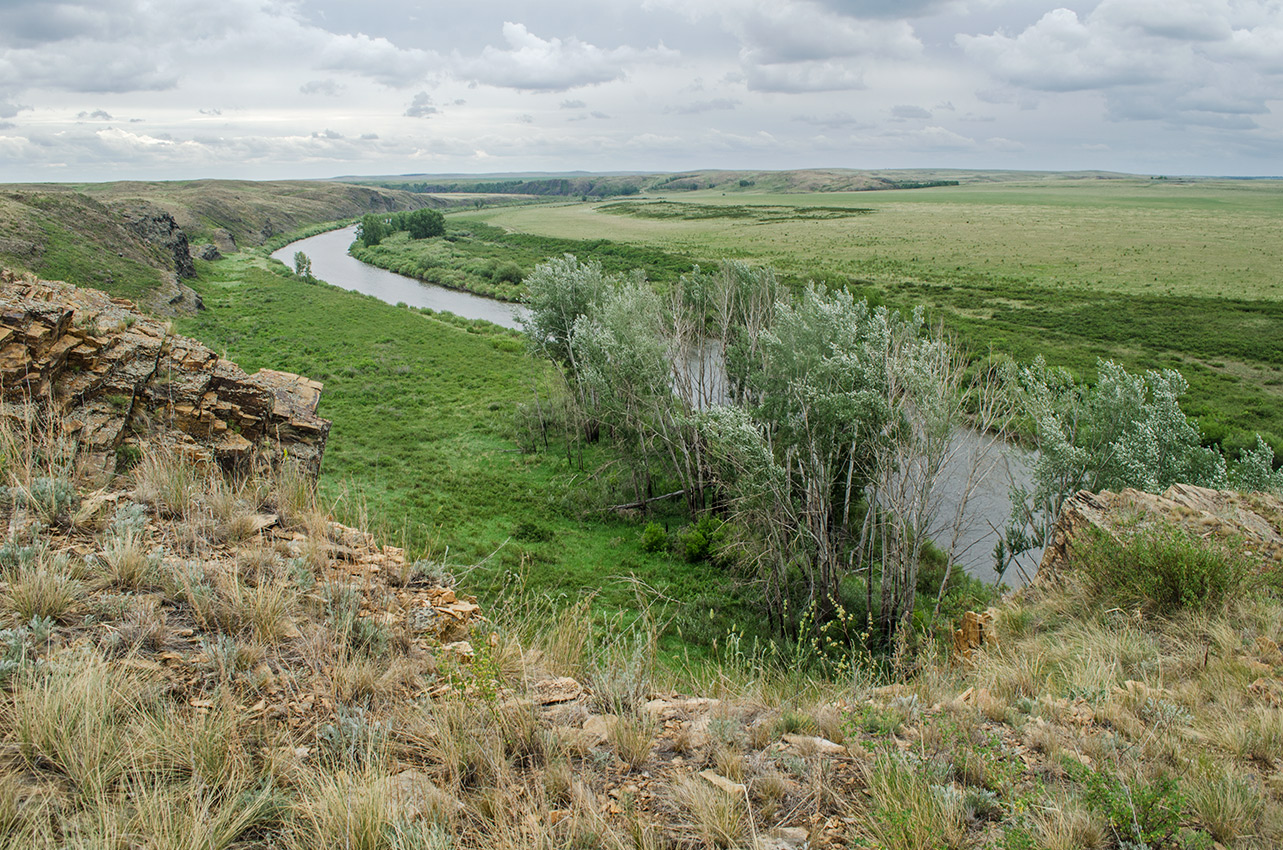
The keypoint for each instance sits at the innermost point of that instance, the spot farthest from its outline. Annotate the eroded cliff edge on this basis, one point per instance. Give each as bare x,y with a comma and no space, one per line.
119,380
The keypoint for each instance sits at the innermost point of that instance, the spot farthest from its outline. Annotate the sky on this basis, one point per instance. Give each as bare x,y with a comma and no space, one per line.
260,89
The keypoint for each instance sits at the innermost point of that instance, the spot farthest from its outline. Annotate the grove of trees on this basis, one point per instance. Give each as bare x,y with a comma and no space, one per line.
817,427
420,224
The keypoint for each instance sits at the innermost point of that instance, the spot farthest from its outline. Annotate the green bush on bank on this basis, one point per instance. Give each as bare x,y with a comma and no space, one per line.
1167,568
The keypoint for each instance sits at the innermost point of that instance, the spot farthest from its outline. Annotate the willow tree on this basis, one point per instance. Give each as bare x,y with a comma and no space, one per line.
797,460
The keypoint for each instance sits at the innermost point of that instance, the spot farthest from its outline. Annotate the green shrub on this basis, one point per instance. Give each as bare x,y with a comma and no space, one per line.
1167,568
654,538
1143,813
700,540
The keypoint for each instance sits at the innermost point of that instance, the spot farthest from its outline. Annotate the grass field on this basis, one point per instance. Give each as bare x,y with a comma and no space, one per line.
1152,273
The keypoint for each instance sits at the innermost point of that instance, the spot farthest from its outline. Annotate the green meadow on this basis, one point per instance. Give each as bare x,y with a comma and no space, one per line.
1152,273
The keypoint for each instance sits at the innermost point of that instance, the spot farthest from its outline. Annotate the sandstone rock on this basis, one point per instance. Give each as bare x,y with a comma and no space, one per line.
1253,520
555,691
598,727
108,370
974,631
735,789
416,796
784,838
807,745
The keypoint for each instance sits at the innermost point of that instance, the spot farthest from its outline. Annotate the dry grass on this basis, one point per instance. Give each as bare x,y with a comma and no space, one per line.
169,482
719,819
46,590
633,737
79,719
128,562
907,811
1064,823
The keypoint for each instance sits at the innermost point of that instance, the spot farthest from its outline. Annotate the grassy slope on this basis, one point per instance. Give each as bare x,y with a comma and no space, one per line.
62,235
1152,273
422,437
253,211
74,232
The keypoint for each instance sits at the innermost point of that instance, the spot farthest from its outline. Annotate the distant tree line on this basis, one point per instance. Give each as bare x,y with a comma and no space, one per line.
552,187
420,224
913,184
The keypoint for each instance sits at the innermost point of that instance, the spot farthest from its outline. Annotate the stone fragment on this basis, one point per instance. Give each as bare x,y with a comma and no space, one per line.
812,744
735,789
554,691
597,728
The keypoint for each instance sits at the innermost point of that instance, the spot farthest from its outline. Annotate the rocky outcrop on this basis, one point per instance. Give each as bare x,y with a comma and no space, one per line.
117,377
157,227
1252,521
208,252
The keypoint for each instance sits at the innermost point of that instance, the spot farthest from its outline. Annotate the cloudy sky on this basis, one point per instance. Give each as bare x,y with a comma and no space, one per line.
117,89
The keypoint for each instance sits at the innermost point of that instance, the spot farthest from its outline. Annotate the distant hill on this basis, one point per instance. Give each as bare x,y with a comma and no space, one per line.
615,184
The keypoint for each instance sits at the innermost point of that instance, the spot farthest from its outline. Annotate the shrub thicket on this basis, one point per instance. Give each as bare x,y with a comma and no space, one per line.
1167,568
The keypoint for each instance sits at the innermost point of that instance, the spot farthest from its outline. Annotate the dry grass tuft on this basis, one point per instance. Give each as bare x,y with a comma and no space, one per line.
1065,823
169,482
633,737
720,819
896,787
47,589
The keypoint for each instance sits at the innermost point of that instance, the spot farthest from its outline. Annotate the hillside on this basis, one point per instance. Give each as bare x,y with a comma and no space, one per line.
194,656
131,239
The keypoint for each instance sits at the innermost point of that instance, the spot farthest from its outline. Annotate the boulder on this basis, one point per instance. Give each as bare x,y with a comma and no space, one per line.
116,376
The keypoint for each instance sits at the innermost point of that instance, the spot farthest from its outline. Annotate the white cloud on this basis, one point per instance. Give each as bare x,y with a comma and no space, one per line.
799,77
330,88
718,104
531,63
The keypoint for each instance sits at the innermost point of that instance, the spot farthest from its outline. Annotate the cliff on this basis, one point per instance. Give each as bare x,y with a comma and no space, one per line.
117,378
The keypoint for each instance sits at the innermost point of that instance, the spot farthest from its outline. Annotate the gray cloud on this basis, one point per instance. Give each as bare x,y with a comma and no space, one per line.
699,107
96,115
799,77
421,106
904,112
329,88
1150,59
791,82
835,121
531,63
884,8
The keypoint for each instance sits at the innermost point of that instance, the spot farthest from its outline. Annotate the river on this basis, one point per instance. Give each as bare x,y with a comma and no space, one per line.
987,509
333,264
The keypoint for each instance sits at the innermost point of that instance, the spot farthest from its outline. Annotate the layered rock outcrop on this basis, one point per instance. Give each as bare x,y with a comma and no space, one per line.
117,377
1251,521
